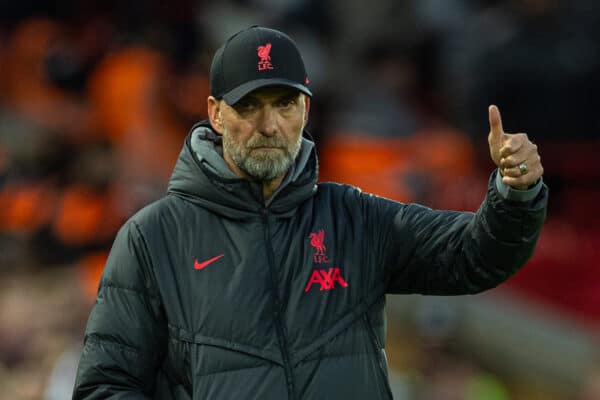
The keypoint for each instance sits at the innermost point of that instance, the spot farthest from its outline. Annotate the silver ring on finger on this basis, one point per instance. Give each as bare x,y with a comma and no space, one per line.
523,168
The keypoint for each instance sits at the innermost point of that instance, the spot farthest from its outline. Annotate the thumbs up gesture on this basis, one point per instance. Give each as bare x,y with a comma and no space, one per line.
514,154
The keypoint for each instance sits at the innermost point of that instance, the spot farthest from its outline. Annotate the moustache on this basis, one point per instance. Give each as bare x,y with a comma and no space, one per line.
266,142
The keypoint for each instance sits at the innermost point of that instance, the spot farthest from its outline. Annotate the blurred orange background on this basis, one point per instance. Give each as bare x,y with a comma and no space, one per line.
96,99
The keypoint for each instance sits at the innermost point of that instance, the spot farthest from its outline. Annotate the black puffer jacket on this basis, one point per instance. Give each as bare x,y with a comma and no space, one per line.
210,294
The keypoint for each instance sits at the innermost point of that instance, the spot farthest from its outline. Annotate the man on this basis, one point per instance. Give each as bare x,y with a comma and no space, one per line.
251,281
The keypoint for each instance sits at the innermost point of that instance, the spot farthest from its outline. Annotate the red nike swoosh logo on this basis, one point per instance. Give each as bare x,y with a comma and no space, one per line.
204,264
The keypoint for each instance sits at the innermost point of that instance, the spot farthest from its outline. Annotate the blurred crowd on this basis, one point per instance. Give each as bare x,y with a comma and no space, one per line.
96,98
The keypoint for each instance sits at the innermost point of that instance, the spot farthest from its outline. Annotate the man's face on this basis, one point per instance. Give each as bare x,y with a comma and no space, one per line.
262,132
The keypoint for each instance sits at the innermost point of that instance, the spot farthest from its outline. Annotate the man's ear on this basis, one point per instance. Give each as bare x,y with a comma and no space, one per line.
306,109
214,114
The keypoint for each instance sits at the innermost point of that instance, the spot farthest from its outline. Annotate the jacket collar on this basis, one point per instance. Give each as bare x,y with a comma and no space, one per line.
201,175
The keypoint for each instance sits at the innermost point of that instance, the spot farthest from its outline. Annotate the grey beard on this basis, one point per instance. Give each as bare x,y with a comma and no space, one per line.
262,167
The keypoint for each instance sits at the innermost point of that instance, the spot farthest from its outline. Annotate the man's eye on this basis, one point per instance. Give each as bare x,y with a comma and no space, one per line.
285,103
245,106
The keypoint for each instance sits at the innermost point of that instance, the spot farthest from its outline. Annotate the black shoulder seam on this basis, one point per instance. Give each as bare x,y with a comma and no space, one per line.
153,290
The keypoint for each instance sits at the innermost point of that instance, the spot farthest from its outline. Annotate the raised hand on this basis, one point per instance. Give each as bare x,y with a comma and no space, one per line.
514,154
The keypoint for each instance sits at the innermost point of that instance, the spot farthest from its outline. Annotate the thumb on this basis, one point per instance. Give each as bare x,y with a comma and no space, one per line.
496,129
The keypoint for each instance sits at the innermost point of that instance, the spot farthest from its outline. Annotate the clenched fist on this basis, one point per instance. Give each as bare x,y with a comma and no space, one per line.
515,155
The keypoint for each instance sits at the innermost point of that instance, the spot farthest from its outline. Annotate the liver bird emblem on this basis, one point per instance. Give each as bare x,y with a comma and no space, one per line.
265,58
316,241
263,52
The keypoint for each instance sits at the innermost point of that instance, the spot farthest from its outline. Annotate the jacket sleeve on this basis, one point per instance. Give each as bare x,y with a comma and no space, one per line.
126,330
450,253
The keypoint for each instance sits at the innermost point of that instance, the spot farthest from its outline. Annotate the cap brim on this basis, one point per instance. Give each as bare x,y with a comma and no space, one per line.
234,95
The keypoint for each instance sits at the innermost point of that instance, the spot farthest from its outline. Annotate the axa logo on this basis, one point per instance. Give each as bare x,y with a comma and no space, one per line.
326,278
317,241
263,53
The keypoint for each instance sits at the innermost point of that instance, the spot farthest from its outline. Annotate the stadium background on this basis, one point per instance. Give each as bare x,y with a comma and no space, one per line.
96,97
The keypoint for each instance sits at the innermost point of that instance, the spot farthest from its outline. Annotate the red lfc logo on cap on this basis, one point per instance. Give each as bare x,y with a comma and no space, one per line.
265,58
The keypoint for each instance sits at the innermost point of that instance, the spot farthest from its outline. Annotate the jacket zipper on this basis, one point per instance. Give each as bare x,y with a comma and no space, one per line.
278,307
378,352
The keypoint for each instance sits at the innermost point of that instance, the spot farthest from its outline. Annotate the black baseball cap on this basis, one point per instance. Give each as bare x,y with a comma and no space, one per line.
253,58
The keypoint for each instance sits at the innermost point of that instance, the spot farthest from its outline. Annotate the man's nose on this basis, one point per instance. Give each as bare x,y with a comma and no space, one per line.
268,121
